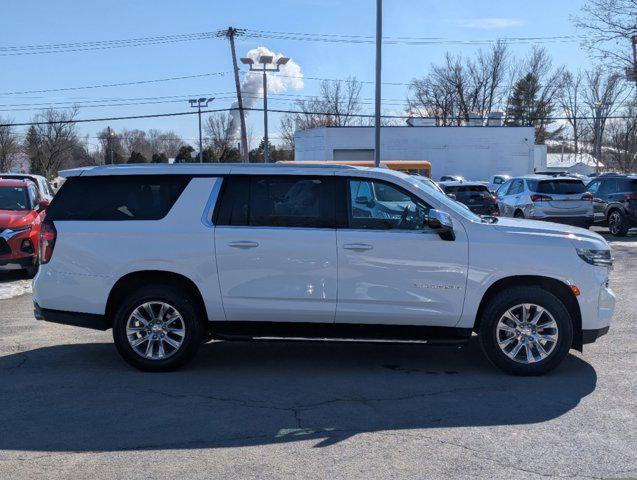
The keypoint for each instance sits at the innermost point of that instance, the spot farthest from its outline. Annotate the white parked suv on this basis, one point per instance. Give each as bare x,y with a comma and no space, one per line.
170,256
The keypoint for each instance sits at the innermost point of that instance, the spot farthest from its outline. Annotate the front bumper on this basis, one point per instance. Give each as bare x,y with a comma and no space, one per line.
589,336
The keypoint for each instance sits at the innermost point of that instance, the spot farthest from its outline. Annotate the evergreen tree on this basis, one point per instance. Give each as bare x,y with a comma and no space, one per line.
136,157
185,154
159,158
530,107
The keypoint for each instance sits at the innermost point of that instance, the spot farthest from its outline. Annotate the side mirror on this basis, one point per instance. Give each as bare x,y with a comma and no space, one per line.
43,204
441,223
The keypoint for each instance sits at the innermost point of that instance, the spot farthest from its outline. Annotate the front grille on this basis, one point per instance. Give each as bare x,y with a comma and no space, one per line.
4,247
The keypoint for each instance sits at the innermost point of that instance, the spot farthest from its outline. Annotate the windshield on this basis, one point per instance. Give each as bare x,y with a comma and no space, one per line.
469,192
445,200
13,198
557,187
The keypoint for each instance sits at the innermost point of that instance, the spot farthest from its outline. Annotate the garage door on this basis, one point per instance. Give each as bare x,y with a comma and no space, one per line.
353,154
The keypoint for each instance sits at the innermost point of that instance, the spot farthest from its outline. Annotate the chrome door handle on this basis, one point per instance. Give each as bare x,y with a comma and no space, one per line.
243,244
357,247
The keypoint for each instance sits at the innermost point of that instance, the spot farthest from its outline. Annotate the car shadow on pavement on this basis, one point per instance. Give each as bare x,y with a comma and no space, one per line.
83,397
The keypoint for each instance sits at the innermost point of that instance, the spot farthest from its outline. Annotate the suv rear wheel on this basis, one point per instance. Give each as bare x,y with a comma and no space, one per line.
526,331
617,224
157,328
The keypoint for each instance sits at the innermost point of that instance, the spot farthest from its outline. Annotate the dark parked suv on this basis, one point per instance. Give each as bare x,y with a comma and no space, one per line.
615,202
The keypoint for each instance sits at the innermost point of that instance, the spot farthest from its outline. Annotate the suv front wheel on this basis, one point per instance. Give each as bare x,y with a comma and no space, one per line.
157,328
526,331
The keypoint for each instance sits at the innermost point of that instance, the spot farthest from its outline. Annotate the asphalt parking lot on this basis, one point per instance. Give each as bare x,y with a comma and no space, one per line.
71,408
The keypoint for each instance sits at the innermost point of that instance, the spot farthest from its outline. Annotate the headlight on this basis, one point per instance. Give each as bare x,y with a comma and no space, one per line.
10,232
600,258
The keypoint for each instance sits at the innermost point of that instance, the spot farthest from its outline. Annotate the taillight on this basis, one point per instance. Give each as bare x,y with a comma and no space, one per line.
490,200
495,213
631,196
588,196
48,234
540,198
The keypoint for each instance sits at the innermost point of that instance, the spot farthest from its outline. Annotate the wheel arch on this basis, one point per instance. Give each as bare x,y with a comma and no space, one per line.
557,287
140,278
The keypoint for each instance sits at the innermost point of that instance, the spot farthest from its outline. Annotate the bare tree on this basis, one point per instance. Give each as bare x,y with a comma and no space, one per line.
609,26
570,100
458,87
51,140
9,145
338,104
603,96
219,136
164,142
621,141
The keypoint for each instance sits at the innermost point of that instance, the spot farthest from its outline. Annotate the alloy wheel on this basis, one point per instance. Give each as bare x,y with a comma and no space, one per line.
614,223
527,333
155,330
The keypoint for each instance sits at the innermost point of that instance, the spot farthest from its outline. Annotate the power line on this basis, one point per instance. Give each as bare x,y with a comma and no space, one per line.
120,84
174,114
39,49
101,44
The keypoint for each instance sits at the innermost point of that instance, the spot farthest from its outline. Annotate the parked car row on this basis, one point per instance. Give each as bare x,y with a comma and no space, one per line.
609,199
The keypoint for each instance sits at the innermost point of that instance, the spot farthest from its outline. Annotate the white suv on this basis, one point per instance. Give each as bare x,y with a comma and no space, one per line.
170,256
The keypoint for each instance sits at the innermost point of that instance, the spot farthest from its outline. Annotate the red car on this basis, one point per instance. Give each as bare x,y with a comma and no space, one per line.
21,211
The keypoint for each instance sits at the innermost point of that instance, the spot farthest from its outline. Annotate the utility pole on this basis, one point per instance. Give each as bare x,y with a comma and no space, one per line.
379,52
265,60
110,133
198,103
633,75
230,34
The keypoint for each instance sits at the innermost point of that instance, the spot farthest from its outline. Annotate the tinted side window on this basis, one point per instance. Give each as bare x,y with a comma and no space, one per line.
608,186
117,197
233,208
278,201
381,206
287,201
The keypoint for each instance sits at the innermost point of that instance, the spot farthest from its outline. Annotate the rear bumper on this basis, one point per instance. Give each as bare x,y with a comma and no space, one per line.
75,319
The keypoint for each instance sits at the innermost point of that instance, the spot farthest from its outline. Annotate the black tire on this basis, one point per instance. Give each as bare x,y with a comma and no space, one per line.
510,298
518,214
32,271
177,298
617,224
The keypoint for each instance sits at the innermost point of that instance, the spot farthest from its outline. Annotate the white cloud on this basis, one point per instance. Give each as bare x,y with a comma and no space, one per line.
489,23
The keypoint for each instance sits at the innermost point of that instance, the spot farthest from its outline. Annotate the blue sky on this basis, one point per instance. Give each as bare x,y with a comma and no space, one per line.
44,22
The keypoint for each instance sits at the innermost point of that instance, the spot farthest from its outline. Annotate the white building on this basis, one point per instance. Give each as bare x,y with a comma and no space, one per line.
582,163
475,152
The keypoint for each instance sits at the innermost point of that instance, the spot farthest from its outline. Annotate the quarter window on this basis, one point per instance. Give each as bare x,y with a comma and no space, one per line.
382,206
117,197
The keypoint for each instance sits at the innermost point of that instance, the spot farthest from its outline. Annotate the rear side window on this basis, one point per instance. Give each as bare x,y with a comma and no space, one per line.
557,187
117,197
629,185
278,201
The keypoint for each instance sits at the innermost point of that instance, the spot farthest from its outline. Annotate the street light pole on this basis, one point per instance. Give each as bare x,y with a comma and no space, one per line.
379,47
265,60
266,146
198,103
